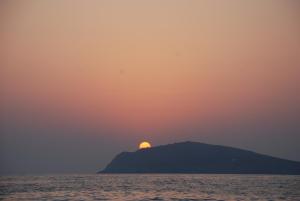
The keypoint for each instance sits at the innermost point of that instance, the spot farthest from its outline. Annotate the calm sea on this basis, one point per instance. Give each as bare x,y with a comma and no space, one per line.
150,187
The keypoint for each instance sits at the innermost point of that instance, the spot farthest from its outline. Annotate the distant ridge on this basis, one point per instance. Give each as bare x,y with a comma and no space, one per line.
195,157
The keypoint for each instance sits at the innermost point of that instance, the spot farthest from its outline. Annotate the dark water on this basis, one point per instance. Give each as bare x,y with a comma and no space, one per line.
150,187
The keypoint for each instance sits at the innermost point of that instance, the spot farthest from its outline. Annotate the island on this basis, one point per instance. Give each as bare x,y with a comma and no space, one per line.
195,157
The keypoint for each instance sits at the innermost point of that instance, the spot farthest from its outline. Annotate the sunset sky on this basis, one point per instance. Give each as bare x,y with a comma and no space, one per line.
81,81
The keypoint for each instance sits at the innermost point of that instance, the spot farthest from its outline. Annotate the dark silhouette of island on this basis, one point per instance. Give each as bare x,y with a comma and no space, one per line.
194,157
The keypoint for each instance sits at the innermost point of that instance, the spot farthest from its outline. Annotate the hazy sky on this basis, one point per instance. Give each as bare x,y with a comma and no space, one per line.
81,81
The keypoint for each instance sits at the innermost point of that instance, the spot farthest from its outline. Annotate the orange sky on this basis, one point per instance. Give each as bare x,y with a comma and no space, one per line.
135,62
150,65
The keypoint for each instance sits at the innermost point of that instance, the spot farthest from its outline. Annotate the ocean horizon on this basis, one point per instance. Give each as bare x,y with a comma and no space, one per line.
149,100
150,187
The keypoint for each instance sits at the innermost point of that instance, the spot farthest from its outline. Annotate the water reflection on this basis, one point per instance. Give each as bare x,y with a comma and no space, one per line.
150,187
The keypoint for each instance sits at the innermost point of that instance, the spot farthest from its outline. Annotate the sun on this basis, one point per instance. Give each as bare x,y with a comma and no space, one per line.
144,145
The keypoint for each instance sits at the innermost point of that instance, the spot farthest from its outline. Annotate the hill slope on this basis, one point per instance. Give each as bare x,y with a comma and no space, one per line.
194,157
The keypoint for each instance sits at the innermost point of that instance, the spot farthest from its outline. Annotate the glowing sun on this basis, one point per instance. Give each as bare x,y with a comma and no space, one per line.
144,145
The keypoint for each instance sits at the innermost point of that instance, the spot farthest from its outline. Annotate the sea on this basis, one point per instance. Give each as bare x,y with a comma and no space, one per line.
150,187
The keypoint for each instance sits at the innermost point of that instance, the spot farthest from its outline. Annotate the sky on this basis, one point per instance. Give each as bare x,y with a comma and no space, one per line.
81,81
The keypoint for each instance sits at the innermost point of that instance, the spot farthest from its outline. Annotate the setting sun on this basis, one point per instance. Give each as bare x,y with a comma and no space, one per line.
144,145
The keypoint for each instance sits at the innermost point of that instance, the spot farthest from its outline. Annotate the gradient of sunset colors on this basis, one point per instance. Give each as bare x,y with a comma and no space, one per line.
84,80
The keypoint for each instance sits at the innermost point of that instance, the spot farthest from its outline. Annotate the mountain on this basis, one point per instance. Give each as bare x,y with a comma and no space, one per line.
194,157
